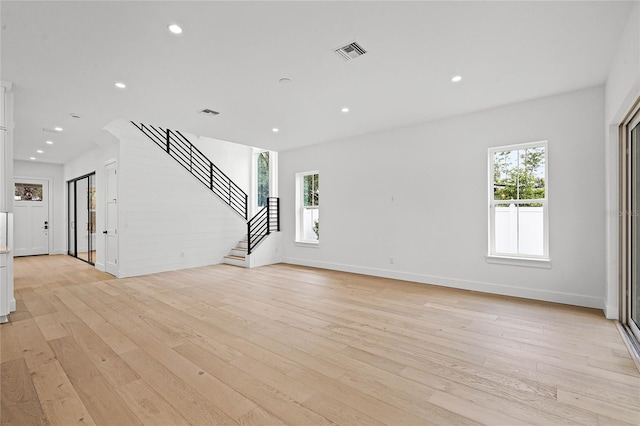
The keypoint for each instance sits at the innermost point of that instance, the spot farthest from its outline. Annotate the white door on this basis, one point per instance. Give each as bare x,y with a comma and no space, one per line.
31,217
111,219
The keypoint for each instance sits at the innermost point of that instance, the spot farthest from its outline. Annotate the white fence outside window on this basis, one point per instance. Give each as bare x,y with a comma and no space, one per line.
524,227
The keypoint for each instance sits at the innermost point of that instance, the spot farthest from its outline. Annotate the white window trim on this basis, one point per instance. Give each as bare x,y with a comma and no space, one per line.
519,261
308,244
299,207
492,256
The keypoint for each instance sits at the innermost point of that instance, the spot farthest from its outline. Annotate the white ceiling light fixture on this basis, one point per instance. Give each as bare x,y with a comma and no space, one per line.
120,85
175,28
40,151
275,130
284,80
345,109
49,142
32,158
58,129
456,78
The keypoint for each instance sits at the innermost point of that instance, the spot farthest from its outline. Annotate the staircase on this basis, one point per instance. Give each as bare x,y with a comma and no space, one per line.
195,162
238,255
267,220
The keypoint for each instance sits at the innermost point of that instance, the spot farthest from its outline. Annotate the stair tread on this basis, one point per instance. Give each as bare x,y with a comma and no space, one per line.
233,256
240,248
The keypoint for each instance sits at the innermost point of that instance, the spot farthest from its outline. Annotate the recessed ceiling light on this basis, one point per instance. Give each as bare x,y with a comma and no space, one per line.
174,28
120,85
275,130
74,115
58,129
49,142
32,158
456,78
284,80
345,109
40,151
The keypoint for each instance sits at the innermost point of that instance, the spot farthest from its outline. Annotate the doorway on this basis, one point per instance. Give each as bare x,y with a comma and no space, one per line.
630,289
82,218
31,217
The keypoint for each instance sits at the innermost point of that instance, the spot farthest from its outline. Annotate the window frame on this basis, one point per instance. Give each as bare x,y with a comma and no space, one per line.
301,208
542,261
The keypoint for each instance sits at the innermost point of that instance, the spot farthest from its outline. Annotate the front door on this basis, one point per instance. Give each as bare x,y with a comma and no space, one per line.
31,217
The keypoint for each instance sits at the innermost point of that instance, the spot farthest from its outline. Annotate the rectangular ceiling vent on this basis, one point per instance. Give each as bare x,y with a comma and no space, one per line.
350,51
208,111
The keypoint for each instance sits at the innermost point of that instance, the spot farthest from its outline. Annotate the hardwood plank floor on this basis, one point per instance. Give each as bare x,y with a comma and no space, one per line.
283,344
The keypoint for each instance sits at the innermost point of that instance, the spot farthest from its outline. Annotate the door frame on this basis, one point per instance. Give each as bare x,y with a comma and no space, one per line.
75,220
23,178
626,214
107,165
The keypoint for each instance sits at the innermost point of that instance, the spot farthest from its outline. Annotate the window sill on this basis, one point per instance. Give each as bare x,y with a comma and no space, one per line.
519,261
311,244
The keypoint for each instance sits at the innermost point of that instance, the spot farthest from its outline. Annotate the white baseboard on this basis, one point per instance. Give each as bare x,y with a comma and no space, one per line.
611,311
59,252
12,305
527,293
100,266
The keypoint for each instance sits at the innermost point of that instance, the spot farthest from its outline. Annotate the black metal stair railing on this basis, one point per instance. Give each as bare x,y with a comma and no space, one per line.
193,160
267,220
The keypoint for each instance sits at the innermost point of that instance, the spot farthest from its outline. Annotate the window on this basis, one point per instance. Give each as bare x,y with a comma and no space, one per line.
262,178
518,217
308,203
28,192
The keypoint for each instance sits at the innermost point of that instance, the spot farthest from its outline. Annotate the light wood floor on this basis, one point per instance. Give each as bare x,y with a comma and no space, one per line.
283,344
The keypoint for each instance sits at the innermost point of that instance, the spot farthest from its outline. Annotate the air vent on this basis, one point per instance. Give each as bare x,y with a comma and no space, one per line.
350,51
208,111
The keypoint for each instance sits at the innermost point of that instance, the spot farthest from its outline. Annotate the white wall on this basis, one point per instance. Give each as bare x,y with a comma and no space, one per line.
622,89
167,219
419,194
106,148
57,209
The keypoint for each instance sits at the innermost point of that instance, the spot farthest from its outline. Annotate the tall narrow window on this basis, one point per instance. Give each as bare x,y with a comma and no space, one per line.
308,214
518,217
262,178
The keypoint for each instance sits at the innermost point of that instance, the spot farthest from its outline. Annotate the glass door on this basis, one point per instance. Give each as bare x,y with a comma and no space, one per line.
82,218
632,293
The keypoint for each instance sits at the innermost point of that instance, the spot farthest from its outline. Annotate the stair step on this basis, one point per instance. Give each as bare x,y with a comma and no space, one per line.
236,261
233,256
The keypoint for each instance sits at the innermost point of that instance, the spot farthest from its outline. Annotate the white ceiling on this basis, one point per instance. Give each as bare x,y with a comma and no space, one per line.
64,57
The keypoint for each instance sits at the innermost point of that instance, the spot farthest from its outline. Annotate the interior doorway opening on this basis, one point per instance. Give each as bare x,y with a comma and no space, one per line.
81,223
